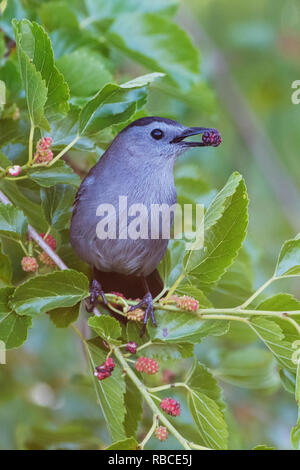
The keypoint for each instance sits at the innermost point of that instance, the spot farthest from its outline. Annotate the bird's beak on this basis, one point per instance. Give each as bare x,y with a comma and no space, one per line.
210,137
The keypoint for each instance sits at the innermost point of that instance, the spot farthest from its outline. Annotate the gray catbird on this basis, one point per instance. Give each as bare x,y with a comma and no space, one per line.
138,165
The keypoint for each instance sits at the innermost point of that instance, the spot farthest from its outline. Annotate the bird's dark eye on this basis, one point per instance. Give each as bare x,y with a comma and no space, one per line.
157,134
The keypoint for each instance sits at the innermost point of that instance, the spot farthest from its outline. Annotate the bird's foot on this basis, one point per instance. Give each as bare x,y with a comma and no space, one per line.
95,292
146,302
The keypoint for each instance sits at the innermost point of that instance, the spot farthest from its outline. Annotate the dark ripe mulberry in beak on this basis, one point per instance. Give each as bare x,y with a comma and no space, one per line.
210,137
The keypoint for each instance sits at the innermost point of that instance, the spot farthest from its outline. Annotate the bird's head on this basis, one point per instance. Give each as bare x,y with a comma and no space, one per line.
160,138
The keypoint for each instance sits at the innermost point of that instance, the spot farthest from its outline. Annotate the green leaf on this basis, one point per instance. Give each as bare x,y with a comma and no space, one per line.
63,317
295,436
102,10
225,227
5,293
272,335
125,444
57,205
236,285
32,210
34,85
35,43
56,15
288,263
263,447
13,223
158,44
58,173
55,290
162,351
85,72
14,329
184,327
171,267
251,368
5,271
134,408
110,392
208,419
114,104
202,380
107,327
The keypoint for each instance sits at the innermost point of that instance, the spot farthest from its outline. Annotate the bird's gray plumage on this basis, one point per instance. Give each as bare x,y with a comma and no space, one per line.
140,167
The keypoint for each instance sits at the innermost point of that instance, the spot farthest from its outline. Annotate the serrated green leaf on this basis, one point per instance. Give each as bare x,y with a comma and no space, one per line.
114,104
134,408
171,267
162,351
236,285
14,329
57,205
58,173
5,293
44,293
110,392
56,15
158,44
85,72
35,43
184,327
5,271
32,210
202,380
107,327
288,263
224,231
34,85
13,223
125,444
208,419
272,335
63,317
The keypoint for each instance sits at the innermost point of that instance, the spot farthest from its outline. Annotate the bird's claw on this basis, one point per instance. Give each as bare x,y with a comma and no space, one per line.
147,302
95,292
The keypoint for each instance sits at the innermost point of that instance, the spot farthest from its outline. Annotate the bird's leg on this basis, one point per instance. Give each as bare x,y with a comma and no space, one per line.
95,291
147,302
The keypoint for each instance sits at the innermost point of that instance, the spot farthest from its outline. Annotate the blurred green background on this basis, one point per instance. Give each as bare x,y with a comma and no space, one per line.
250,57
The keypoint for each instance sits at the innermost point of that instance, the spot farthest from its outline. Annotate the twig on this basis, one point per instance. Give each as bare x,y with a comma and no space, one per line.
41,242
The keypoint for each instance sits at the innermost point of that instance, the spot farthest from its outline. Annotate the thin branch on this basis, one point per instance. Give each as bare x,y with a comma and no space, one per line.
41,242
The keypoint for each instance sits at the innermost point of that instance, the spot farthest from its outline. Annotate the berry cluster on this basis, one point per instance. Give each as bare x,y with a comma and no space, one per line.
136,315
104,370
30,264
14,170
170,406
43,153
131,347
161,433
146,365
185,302
211,138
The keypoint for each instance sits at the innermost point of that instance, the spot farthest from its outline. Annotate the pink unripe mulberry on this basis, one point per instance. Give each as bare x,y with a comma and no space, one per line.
131,347
46,259
146,365
29,264
15,170
136,315
161,433
43,153
170,406
185,302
